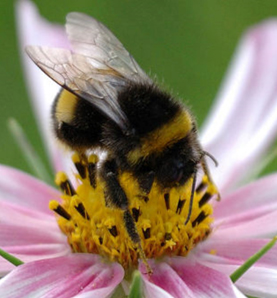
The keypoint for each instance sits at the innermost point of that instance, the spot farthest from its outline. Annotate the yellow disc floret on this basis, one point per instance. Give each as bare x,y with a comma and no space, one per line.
160,217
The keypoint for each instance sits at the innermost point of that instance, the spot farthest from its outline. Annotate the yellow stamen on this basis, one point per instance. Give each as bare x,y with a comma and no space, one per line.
92,227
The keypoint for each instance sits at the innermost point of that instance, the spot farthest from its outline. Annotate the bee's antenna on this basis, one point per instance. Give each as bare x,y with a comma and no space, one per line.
206,170
191,196
211,157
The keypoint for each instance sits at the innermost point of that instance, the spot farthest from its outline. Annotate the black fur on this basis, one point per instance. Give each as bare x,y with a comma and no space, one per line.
147,108
85,130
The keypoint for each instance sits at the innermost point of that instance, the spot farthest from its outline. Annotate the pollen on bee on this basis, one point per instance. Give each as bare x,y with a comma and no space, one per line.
92,227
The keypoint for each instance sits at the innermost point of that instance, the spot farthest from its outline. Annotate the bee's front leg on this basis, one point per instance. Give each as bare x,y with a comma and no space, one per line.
114,194
116,198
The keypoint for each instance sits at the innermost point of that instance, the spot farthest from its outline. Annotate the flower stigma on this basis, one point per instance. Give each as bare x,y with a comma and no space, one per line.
93,227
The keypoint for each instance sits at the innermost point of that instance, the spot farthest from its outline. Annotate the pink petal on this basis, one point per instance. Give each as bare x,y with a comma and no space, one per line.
262,226
248,212
236,251
150,290
165,277
259,282
243,122
21,218
22,189
34,252
29,235
260,195
183,277
28,229
61,277
256,282
34,30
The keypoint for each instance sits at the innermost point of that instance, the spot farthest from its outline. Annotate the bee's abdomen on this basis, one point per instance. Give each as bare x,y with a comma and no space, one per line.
64,107
76,122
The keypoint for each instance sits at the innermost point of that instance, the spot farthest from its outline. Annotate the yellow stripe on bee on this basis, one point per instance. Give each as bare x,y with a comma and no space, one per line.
65,108
165,136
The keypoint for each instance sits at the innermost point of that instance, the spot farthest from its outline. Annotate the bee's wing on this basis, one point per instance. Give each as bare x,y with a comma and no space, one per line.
97,69
91,38
73,72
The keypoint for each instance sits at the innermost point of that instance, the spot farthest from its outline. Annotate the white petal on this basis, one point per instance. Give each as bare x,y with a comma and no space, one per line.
243,122
34,30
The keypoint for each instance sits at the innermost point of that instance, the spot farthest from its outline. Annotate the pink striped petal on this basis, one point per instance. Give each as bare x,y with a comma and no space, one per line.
33,252
165,277
63,277
150,290
258,196
263,227
34,231
256,282
236,251
248,212
182,277
34,30
28,229
259,282
22,226
24,190
16,235
243,122
29,235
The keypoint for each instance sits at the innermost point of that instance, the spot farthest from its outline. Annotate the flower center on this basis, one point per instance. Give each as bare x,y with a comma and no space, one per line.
93,227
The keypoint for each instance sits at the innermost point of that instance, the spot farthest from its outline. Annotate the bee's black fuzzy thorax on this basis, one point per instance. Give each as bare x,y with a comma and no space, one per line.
162,129
147,107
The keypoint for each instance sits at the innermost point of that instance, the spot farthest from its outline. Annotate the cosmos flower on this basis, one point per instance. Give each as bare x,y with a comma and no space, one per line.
244,219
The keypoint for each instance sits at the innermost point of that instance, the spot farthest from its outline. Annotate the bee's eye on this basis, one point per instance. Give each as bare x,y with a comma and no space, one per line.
175,172
177,175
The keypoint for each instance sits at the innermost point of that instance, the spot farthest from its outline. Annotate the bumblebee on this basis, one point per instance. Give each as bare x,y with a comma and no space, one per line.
107,101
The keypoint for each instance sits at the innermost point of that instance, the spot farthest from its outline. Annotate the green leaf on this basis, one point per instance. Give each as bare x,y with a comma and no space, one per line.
10,258
135,289
252,260
119,292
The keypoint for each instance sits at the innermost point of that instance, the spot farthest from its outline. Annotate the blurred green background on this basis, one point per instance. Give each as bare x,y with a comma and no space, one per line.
188,44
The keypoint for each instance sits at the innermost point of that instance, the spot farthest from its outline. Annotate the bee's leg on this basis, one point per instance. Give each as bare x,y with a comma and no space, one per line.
114,194
116,197
191,196
133,234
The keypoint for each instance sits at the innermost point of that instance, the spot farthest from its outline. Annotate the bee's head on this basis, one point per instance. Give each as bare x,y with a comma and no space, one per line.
175,171
179,162
176,166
